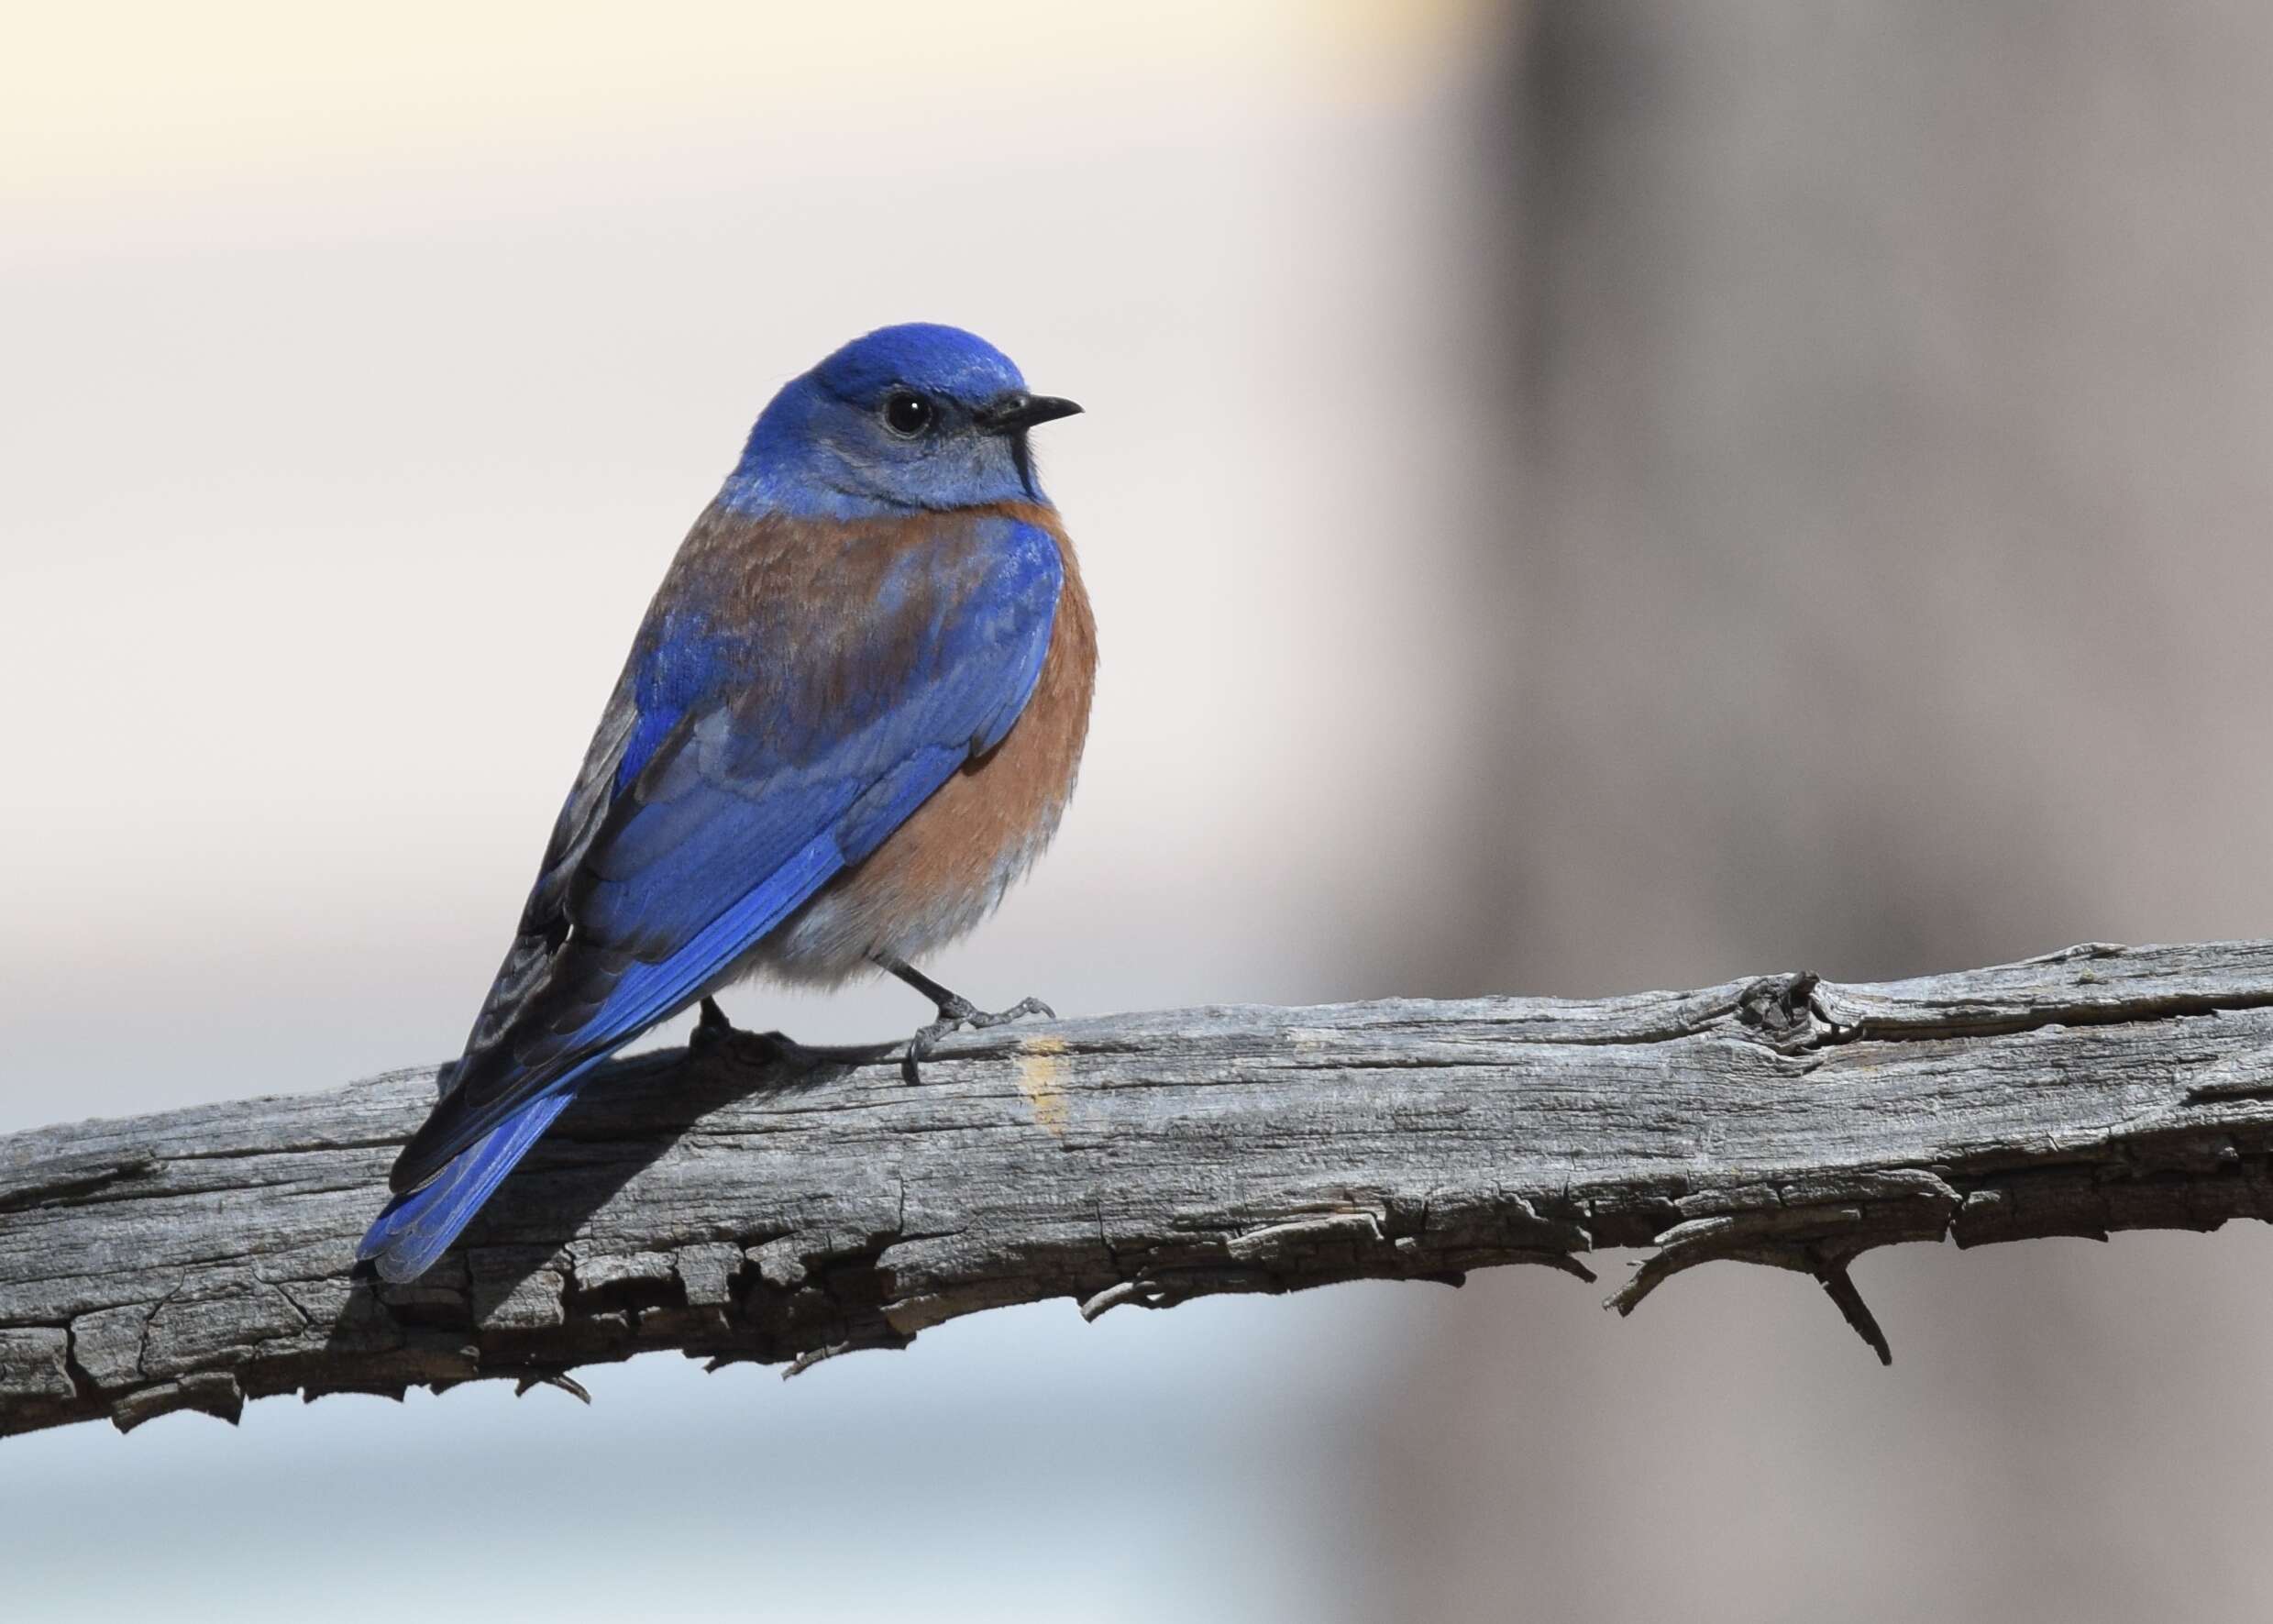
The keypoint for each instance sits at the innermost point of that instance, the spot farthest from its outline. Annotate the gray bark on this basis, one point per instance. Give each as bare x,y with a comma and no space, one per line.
737,1208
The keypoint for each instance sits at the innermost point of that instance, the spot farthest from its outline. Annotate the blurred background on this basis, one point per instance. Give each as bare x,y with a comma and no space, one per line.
1579,497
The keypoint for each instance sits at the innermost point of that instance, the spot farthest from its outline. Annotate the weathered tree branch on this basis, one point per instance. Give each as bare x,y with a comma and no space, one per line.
735,1210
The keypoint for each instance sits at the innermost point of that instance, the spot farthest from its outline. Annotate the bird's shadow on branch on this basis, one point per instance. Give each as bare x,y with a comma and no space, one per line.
626,1117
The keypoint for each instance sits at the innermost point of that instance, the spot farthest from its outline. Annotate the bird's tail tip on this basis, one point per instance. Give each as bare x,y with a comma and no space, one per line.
415,1228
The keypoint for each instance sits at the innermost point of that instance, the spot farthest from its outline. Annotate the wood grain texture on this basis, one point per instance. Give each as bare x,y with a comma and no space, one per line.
734,1209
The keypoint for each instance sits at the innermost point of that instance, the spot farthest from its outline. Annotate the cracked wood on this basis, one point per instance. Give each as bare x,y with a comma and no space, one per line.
734,1209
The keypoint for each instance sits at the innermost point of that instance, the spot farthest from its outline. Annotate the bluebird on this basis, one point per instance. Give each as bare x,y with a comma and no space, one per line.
850,721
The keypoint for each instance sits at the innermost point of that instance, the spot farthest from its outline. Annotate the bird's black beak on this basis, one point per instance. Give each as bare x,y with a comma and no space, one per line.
1018,410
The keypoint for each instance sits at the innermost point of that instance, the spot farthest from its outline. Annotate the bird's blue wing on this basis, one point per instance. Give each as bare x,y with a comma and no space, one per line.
747,759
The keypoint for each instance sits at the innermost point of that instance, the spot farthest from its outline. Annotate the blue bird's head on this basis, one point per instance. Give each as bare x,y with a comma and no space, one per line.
907,417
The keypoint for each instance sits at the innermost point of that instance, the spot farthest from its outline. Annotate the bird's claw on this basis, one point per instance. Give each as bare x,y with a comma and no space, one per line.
954,1013
713,1034
1024,1007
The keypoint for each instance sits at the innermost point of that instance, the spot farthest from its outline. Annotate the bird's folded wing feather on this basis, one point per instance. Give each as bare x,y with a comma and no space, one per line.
752,748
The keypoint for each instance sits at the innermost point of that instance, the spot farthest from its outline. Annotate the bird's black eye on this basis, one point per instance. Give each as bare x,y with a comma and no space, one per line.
907,414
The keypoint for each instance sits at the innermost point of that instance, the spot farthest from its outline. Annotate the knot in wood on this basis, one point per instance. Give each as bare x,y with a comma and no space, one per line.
1782,1009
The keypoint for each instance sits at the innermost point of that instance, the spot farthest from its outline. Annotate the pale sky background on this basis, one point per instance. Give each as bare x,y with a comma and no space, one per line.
363,371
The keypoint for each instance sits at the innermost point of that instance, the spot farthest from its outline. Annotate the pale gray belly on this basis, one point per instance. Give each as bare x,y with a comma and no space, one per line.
833,935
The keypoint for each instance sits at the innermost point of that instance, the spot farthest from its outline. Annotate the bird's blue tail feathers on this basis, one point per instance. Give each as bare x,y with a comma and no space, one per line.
418,1225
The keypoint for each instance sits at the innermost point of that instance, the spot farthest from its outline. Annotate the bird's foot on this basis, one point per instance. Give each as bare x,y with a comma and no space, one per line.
714,1035
956,1013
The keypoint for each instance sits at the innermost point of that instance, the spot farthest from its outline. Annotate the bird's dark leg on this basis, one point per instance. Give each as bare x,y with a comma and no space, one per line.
954,1011
713,1034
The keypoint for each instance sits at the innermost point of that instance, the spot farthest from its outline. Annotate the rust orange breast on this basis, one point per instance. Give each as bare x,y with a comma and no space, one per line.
942,871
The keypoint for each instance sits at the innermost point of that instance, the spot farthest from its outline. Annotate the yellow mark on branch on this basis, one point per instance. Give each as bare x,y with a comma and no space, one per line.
1041,1071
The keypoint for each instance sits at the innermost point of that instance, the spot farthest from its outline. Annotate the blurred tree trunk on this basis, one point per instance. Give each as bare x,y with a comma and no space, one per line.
1887,569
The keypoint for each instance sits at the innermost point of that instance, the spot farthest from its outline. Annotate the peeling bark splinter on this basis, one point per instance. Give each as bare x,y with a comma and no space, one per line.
738,1211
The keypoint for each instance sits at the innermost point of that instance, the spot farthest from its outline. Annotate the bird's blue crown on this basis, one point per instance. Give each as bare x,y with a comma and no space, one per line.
904,417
